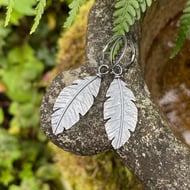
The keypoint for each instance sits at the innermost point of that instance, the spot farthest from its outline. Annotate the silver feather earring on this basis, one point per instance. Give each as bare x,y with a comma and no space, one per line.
120,111
70,103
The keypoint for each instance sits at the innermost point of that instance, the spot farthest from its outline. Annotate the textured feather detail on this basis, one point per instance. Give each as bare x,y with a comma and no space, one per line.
74,100
121,113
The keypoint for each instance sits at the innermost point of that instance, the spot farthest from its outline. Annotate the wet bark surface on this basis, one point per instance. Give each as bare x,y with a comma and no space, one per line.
153,153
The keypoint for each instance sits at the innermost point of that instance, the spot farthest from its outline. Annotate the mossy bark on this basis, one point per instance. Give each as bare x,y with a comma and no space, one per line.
72,42
153,153
103,171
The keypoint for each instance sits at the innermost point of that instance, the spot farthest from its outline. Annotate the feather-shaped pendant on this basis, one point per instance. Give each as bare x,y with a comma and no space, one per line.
120,113
73,101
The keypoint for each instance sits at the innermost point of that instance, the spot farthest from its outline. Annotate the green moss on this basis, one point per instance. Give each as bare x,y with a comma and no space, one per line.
72,43
103,171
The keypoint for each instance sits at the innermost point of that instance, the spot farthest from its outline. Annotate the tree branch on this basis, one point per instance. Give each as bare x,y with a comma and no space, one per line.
153,153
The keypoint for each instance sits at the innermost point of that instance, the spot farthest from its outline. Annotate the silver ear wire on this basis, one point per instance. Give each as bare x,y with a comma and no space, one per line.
114,41
133,54
113,49
126,43
110,47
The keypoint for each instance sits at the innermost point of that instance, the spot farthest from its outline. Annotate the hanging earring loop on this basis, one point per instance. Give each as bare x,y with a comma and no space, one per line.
103,68
133,54
117,71
109,48
123,38
132,57
108,45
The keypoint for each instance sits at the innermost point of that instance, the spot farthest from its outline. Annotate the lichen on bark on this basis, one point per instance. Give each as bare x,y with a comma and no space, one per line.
153,153
104,171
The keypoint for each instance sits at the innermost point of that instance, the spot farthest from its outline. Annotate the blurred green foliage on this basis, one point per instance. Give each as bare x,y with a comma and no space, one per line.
19,72
1,116
19,9
26,162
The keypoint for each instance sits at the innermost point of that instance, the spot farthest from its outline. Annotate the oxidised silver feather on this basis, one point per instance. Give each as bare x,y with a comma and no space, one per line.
121,113
74,100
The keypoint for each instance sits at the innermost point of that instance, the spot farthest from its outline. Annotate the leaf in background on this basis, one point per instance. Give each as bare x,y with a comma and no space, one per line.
25,114
72,101
39,12
9,11
4,32
48,172
14,129
126,12
15,17
184,30
41,136
74,6
120,113
31,149
6,177
18,9
25,7
26,171
46,55
13,81
3,2
9,149
21,55
1,116
22,70
30,184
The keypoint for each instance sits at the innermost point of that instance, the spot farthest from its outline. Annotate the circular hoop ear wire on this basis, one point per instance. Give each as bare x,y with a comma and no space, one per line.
113,42
133,52
113,49
109,43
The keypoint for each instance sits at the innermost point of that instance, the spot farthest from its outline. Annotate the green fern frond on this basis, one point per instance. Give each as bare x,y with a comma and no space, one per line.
184,30
39,12
126,12
9,11
74,6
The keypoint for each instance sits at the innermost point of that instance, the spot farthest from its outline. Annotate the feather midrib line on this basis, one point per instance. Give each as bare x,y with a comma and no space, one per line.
121,113
72,99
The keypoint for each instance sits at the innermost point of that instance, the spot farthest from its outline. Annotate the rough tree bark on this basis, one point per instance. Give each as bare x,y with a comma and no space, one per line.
153,153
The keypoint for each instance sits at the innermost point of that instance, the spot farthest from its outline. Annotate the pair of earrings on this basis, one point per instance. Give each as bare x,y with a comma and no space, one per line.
120,112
